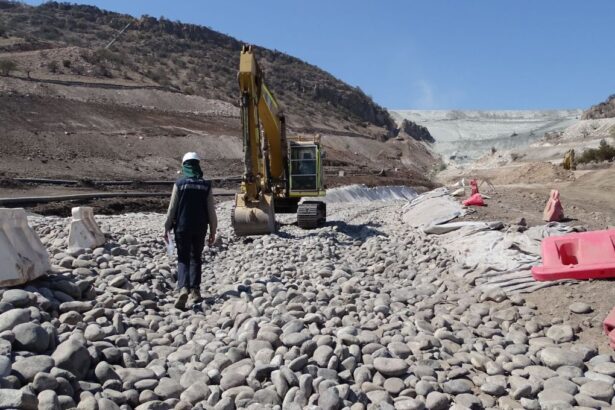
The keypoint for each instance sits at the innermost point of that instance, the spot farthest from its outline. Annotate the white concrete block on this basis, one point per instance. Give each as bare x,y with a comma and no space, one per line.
22,255
84,231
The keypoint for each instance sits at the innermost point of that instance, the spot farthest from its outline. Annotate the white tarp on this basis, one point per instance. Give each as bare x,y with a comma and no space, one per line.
22,255
501,259
432,208
440,229
487,255
84,231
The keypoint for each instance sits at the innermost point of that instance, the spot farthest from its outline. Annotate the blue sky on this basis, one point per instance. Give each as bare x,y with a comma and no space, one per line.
429,54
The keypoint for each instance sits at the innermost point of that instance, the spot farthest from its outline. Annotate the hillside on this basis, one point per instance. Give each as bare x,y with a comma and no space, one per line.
186,58
69,108
466,135
605,109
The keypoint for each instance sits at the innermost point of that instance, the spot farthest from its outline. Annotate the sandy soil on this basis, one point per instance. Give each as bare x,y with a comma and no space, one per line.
554,302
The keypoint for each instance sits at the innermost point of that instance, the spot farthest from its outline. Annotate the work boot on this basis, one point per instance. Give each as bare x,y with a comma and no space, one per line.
195,297
180,303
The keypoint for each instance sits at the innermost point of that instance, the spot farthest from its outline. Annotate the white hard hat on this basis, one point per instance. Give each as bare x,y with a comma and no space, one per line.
189,156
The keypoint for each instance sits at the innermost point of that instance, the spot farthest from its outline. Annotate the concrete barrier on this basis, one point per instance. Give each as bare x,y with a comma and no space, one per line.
22,254
84,231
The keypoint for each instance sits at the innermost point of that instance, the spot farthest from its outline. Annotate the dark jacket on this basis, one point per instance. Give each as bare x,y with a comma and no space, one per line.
192,206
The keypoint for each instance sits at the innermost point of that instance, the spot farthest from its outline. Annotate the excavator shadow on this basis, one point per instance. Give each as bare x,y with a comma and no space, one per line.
355,231
358,231
219,298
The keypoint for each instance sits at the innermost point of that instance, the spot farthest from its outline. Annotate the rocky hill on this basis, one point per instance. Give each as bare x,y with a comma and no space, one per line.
186,58
605,109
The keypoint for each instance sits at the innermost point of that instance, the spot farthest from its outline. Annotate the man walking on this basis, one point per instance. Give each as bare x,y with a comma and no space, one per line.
191,211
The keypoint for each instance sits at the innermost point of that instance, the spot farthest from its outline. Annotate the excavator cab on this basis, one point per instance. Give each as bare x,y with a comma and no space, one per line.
304,167
306,180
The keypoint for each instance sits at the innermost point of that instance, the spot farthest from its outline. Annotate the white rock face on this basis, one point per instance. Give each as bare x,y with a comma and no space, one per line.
471,133
84,231
22,255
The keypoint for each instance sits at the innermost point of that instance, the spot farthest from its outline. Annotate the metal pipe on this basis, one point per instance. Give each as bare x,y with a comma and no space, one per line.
93,195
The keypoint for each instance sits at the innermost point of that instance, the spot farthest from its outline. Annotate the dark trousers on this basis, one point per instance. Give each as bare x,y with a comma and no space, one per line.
189,259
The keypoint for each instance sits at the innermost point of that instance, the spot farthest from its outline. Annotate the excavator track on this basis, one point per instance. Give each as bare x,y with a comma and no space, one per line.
311,214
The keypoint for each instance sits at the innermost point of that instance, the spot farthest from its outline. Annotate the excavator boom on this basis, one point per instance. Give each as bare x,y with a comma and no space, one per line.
273,180
254,210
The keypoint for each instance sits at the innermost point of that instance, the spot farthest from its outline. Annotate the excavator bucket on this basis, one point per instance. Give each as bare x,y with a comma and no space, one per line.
253,218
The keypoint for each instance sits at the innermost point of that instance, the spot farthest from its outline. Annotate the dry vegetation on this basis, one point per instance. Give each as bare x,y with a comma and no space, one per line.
604,152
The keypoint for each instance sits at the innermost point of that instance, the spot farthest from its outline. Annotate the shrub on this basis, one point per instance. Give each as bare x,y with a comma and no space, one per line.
101,70
53,66
66,63
101,56
604,152
6,66
77,69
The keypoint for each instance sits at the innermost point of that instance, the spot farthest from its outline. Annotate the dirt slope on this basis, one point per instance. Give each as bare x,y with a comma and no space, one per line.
67,42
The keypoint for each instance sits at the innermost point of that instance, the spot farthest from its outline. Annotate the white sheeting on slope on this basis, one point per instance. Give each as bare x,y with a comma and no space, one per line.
362,193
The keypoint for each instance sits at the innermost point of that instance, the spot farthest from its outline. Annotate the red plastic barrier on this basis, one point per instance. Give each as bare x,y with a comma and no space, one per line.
474,200
554,211
586,255
474,186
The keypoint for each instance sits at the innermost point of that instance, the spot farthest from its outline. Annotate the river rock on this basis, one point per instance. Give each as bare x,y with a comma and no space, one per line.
73,356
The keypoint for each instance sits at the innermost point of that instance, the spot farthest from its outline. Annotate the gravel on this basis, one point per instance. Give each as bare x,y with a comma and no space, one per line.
364,313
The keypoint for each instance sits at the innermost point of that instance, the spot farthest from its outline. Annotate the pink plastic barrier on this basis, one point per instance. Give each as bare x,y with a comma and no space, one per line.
474,200
586,255
609,327
554,211
474,186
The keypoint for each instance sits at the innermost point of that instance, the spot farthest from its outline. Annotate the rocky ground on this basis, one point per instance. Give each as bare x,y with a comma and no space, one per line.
360,314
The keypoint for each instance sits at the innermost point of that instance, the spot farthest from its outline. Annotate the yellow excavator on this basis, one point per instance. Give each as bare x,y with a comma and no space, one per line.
278,170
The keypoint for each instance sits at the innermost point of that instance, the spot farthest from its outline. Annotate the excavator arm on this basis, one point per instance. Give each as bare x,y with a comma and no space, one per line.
265,156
